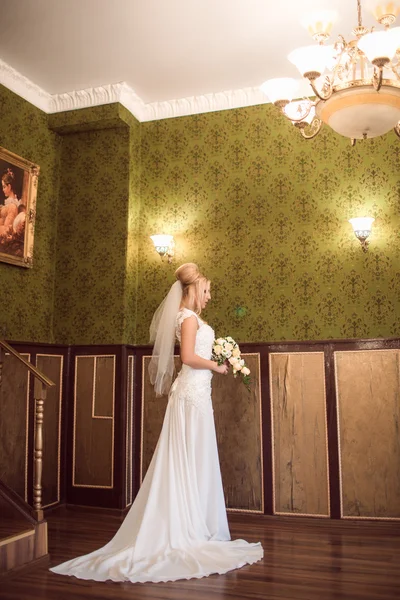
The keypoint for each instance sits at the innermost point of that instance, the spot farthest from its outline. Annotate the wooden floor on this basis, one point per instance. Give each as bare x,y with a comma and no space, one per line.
305,559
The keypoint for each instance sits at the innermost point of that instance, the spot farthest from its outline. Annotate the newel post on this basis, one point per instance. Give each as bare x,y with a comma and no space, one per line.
39,397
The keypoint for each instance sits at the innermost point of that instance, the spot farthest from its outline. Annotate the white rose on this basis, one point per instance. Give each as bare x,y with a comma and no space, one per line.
236,352
217,350
220,341
229,339
245,371
233,361
227,354
228,347
241,362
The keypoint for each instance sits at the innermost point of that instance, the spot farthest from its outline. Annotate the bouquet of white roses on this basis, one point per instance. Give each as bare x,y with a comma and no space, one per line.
227,349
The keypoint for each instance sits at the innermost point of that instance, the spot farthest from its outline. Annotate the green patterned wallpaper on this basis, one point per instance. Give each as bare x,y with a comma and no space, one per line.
26,295
92,236
264,213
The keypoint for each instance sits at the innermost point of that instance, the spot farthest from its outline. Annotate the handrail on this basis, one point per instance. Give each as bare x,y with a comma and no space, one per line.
41,376
39,393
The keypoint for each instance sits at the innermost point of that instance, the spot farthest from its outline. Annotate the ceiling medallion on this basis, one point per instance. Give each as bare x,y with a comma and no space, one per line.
356,84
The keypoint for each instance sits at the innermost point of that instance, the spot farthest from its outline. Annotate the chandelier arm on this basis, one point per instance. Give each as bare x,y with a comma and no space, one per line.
314,128
311,104
321,95
396,129
394,69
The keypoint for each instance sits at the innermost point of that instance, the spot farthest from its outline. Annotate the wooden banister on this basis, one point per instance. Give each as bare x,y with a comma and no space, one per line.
42,382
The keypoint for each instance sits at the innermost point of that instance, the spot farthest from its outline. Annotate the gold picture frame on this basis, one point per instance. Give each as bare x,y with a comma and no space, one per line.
19,179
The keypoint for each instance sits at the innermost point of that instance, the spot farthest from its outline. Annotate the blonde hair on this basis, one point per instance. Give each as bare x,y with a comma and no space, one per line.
193,283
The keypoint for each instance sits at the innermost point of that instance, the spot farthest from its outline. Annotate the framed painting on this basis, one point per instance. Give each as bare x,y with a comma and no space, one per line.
19,179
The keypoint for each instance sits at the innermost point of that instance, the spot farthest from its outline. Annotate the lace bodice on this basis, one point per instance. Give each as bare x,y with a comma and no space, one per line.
204,336
193,386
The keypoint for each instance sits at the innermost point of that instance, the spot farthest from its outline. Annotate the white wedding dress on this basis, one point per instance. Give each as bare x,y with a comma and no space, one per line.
177,526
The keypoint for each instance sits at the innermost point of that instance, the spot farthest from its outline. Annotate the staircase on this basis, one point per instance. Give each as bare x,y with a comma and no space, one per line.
23,530
23,539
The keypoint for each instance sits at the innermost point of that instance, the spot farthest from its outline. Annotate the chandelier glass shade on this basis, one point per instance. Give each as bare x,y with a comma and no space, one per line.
354,86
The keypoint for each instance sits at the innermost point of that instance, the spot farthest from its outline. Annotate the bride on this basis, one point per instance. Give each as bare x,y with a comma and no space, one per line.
177,526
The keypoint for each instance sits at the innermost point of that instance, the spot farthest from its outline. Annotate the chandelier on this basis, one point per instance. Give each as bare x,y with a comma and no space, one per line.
356,84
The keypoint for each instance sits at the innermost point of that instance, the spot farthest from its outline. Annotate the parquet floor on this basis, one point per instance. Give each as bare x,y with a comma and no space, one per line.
305,559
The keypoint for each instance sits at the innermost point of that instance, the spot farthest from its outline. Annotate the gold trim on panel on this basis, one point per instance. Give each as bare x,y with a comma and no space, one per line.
59,424
95,356
129,431
342,516
244,510
142,416
274,511
239,510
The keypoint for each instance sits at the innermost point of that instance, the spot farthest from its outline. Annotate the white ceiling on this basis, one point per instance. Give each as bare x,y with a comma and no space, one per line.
163,49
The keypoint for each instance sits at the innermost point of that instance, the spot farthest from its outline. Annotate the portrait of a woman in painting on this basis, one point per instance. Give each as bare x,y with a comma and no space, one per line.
17,201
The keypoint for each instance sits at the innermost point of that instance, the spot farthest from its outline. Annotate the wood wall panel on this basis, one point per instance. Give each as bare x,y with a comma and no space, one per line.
104,387
300,463
93,439
237,415
52,366
153,411
14,425
368,392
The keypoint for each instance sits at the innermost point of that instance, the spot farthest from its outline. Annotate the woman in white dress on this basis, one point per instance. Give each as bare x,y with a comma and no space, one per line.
177,526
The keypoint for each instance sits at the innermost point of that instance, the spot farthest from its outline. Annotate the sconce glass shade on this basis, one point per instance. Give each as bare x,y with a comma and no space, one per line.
281,89
162,243
310,60
362,228
379,45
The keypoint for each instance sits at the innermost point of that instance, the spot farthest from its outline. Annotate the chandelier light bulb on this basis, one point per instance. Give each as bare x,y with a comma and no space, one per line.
280,91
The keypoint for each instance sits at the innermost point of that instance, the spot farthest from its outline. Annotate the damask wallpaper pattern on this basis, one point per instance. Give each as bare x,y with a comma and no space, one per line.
92,237
264,213
27,295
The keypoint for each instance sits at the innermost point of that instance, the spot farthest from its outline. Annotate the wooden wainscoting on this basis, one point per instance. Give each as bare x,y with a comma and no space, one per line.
317,435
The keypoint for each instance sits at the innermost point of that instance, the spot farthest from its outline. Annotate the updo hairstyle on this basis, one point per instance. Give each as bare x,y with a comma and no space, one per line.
193,286
9,179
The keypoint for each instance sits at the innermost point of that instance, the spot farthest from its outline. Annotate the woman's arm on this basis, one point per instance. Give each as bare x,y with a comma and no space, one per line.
188,356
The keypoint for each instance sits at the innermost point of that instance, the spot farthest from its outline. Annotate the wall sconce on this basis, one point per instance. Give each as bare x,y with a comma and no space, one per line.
362,229
164,244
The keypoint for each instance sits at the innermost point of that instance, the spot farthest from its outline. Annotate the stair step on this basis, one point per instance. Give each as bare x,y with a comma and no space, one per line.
12,522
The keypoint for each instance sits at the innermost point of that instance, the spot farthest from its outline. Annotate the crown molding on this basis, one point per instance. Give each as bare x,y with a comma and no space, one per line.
24,87
125,95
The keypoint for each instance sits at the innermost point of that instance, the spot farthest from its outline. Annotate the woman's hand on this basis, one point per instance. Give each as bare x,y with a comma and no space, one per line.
222,369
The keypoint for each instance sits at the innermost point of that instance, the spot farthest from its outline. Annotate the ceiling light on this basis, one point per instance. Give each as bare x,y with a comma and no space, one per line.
356,84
